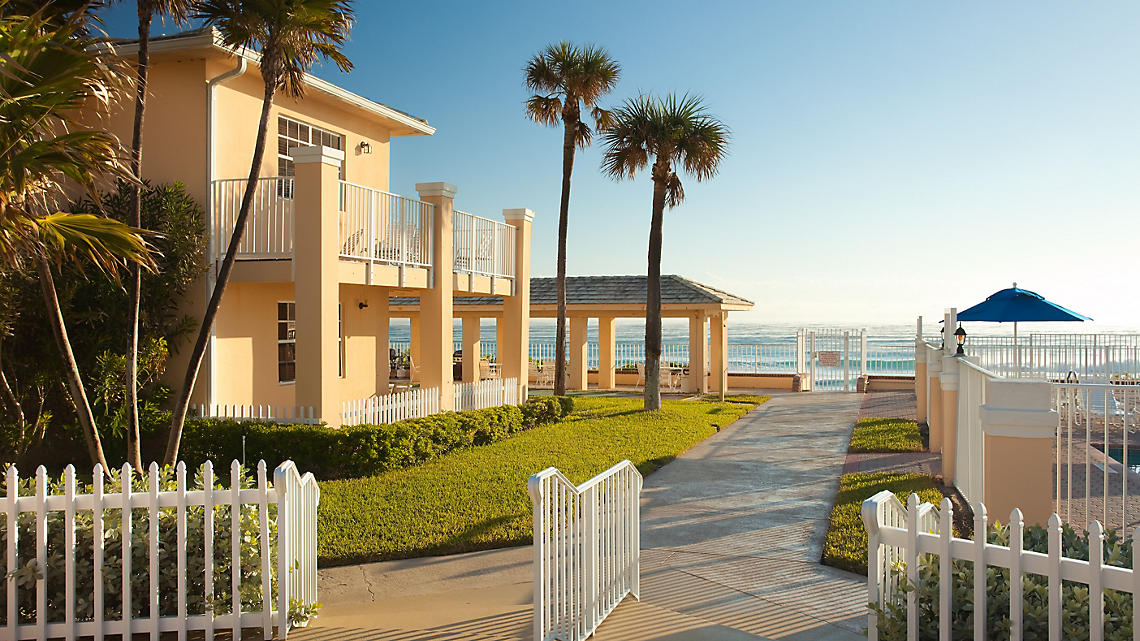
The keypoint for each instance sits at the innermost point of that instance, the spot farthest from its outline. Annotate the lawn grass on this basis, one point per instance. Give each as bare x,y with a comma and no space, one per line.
846,544
885,435
476,498
749,399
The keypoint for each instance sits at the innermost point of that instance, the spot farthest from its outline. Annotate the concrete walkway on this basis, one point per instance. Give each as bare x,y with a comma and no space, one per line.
731,538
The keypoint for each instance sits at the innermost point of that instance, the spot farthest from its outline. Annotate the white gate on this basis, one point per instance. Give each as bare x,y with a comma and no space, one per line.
833,359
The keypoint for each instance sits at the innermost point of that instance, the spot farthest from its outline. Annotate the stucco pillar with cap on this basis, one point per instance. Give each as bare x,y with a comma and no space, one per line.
934,409
436,315
515,322
698,381
920,375
1019,426
471,348
718,354
316,201
607,348
382,320
579,352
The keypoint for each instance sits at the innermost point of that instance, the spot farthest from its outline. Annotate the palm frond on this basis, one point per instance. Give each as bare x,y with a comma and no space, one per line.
98,240
545,110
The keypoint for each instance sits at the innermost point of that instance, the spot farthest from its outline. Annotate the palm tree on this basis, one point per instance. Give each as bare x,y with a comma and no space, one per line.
567,79
178,11
676,133
51,70
290,35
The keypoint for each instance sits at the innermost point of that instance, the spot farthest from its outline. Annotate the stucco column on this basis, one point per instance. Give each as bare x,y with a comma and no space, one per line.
471,351
934,409
607,349
579,352
920,381
382,320
718,354
1019,427
698,381
316,201
949,383
437,333
514,326
414,352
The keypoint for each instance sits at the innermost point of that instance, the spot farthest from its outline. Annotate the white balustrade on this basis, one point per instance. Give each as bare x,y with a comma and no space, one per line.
898,535
267,413
380,227
483,247
69,584
493,392
389,408
269,226
586,549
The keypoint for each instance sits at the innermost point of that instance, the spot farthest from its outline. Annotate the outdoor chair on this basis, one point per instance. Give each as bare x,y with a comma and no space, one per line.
1103,403
488,369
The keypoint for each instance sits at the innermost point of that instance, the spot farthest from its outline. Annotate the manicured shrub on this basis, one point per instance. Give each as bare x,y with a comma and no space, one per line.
1074,596
360,450
567,404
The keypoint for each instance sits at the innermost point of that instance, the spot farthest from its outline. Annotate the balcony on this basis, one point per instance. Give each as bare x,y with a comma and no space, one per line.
384,239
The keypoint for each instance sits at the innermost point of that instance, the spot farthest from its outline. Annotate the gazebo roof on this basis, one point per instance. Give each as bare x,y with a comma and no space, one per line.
609,291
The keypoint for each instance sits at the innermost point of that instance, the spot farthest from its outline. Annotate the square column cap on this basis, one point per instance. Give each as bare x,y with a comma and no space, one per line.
426,190
317,153
518,215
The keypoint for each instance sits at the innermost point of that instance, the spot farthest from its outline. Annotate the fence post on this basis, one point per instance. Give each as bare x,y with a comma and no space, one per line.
1018,424
535,486
280,485
872,521
589,500
934,360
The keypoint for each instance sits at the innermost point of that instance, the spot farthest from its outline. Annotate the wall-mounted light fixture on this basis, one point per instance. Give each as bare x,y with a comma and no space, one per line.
365,147
960,335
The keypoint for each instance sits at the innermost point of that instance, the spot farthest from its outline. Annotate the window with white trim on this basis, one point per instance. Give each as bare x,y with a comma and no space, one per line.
286,342
294,133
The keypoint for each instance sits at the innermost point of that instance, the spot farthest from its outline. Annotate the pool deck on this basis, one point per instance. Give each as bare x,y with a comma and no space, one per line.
732,533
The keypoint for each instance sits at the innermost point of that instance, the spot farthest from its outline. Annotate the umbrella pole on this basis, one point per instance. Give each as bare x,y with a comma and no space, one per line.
1016,351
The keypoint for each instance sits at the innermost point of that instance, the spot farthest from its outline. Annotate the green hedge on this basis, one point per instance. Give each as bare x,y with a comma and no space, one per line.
363,450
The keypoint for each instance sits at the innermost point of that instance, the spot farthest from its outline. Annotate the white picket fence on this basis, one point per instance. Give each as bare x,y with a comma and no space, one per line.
897,535
492,392
586,549
391,407
268,413
55,517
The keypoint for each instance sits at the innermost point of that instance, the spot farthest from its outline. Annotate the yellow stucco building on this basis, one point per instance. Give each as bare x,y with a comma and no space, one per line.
304,321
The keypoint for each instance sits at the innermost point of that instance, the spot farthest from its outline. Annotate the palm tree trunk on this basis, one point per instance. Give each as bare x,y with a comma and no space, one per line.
211,313
11,399
134,451
653,300
563,217
71,368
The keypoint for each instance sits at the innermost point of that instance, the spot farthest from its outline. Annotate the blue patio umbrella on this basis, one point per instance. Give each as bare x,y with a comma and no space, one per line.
1013,305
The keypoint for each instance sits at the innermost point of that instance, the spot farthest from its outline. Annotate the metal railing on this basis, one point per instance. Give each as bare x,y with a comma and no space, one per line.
587,549
1053,356
483,247
269,227
1097,453
380,227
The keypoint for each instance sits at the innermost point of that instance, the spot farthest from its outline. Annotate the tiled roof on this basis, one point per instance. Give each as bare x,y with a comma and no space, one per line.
606,290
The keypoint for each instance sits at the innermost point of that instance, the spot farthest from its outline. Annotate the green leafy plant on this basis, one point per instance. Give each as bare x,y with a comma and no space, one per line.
1118,613
885,435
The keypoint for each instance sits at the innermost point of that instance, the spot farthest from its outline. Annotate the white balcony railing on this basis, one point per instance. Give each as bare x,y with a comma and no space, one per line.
269,228
377,226
483,247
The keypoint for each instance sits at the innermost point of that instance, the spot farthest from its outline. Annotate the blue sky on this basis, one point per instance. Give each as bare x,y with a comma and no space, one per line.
888,159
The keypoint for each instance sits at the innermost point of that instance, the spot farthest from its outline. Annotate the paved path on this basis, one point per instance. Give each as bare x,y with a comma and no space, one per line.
731,538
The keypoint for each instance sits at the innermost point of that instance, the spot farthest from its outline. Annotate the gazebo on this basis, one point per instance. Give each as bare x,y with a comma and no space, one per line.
607,298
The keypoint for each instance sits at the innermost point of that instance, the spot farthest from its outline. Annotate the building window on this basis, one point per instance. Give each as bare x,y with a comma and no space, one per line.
340,339
286,342
294,133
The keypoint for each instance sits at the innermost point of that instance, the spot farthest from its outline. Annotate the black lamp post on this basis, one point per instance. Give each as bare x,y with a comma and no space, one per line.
960,334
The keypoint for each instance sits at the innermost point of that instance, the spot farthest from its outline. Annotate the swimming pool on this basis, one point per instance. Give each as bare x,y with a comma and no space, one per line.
1133,461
